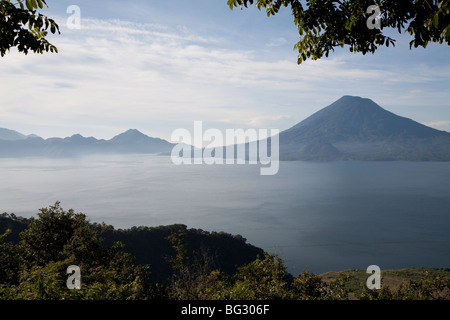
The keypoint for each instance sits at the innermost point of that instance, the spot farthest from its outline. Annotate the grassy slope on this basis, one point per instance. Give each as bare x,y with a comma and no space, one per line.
389,278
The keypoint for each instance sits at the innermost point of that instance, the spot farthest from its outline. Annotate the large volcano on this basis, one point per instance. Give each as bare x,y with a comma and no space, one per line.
354,128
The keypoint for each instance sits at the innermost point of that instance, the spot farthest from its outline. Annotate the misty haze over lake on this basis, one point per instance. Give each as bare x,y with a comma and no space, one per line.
317,216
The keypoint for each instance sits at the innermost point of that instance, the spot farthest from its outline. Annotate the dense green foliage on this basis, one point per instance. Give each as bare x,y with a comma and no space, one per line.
150,245
324,25
34,268
21,26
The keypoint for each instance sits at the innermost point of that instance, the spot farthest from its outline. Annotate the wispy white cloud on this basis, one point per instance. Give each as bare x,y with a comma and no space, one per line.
115,74
267,121
277,42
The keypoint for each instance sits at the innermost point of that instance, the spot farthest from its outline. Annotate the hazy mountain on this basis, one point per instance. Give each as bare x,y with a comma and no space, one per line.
6,134
131,141
354,128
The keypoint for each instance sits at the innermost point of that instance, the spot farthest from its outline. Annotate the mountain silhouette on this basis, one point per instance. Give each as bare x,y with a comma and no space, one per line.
134,141
351,128
131,141
355,128
6,134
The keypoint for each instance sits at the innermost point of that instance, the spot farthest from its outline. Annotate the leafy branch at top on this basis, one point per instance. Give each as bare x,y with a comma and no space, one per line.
326,24
23,27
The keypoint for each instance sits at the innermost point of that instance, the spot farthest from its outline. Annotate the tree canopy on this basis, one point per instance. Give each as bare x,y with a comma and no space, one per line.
35,268
325,24
22,26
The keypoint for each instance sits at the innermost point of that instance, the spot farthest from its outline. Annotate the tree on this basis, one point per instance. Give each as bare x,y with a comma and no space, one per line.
326,24
9,261
193,277
23,27
36,267
262,279
310,286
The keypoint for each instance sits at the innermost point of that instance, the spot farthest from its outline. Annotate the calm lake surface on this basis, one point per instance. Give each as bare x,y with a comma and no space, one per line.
316,216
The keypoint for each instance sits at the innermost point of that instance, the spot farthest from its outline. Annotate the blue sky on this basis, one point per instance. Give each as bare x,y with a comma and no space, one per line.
160,65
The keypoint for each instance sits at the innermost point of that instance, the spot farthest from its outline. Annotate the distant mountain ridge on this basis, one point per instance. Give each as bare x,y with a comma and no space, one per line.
351,128
15,144
6,134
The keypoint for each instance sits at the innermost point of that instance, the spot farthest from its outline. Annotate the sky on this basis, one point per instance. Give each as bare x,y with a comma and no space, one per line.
158,65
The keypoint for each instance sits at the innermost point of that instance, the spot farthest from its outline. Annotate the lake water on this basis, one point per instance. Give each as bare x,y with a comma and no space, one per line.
316,216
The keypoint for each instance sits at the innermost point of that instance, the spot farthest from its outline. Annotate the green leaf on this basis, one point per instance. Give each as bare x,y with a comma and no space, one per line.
29,5
436,20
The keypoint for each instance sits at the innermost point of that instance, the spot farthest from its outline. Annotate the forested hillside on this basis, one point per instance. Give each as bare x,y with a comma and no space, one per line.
150,245
166,262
